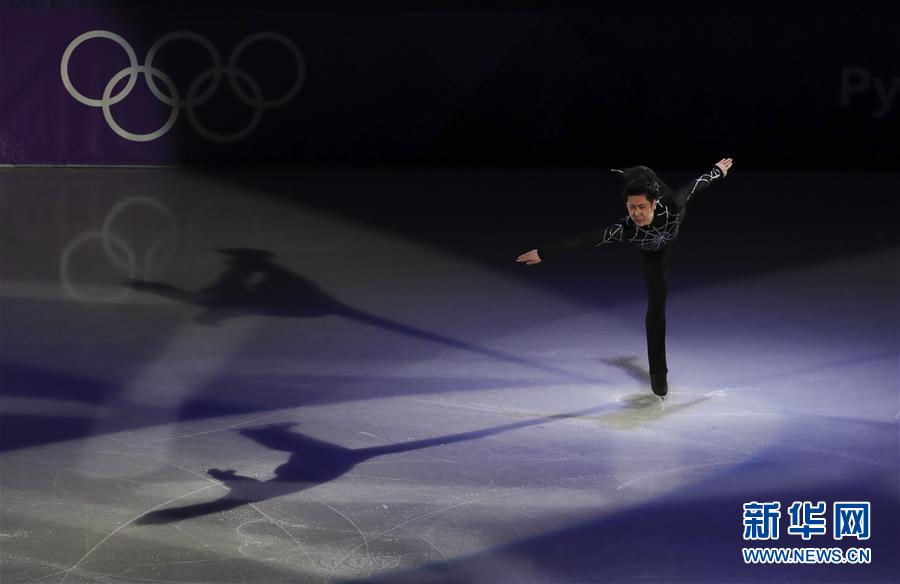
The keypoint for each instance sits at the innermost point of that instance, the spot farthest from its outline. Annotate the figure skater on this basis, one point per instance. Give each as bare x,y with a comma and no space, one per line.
654,216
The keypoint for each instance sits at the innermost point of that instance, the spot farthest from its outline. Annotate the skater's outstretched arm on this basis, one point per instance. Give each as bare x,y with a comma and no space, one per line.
595,238
684,194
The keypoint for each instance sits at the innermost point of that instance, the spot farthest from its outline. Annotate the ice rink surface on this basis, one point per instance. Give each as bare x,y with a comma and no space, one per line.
205,383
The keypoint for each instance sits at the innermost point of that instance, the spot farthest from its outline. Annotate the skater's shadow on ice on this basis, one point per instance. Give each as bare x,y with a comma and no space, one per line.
253,284
629,365
314,462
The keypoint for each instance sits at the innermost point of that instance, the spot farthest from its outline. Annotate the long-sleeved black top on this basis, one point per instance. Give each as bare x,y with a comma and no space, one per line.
658,234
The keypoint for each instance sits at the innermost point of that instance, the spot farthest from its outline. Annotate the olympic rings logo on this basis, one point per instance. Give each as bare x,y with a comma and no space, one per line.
211,78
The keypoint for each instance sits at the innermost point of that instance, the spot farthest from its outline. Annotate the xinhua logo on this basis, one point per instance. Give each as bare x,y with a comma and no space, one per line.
806,520
849,519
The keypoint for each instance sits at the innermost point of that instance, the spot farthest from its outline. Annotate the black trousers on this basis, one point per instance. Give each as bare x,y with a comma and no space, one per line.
654,267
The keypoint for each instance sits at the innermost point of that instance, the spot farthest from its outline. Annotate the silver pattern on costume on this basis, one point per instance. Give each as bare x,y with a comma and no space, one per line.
704,179
652,237
666,221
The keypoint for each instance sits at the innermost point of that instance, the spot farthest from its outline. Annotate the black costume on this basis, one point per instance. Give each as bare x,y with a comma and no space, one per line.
653,241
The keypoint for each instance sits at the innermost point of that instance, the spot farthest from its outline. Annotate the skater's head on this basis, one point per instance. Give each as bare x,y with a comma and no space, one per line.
642,189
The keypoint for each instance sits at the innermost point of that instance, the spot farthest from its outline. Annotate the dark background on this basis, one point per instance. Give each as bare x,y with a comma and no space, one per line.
525,84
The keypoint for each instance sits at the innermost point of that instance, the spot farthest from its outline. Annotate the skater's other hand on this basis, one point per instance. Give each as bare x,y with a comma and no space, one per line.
529,258
724,165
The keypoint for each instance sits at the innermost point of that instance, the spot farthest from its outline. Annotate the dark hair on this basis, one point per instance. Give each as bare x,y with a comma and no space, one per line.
641,180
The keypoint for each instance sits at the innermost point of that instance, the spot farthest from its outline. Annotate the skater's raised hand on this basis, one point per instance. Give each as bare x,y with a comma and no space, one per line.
529,258
724,165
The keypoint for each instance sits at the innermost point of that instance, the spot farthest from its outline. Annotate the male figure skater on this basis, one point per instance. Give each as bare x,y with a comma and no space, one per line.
654,216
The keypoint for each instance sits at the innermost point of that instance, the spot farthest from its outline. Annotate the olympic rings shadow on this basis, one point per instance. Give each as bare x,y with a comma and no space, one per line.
254,284
314,462
119,251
